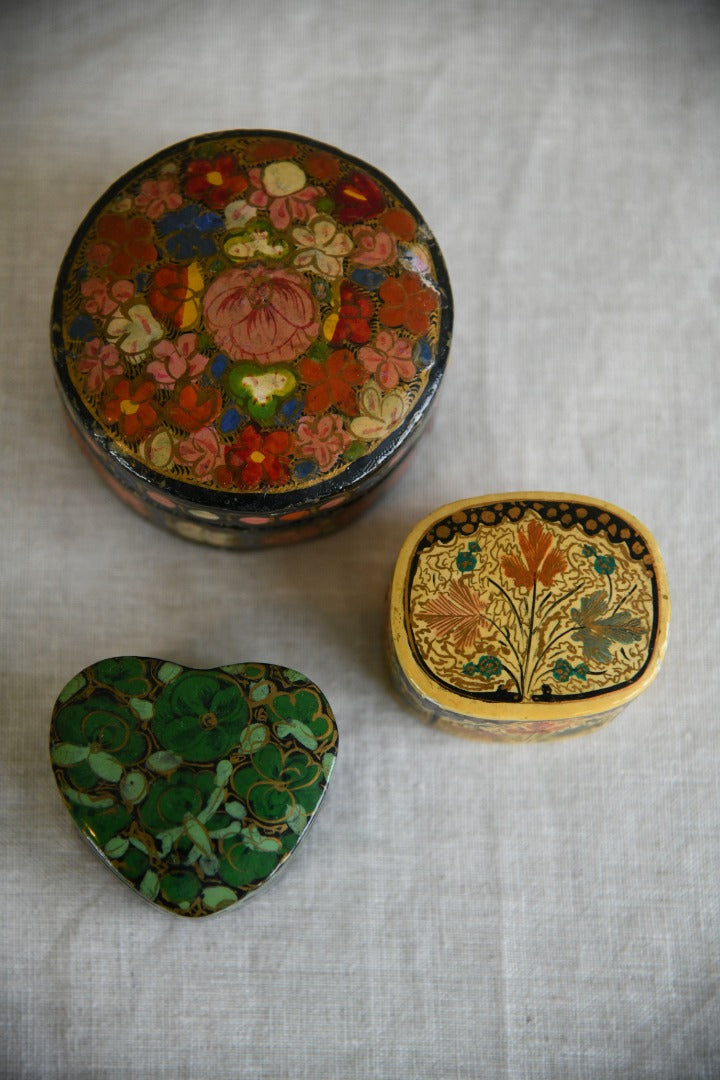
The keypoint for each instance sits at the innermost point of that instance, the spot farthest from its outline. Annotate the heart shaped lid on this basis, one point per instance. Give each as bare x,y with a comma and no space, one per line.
251,323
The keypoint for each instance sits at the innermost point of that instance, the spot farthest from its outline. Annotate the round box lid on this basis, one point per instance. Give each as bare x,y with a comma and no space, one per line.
251,324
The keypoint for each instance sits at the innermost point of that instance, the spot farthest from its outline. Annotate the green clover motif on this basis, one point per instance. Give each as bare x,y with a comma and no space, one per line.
172,799
277,781
301,715
99,738
200,716
241,865
125,673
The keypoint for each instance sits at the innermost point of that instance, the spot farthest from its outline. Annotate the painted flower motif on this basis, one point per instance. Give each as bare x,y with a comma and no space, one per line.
99,363
99,738
133,407
277,782
539,561
332,382
352,322
238,213
260,390
188,232
282,189
260,314
487,667
256,241
194,407
357,198
215,180
256,459
135,331
604,564
563,671
171,800
175,294
200,716
201,451
122,244
177,360
102,297
373,247
322,246
322,438
457,614
158,196
379,414
389,359
407,302
322,166
241,865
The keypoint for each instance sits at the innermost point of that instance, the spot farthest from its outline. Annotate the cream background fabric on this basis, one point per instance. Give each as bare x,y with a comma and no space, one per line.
458,910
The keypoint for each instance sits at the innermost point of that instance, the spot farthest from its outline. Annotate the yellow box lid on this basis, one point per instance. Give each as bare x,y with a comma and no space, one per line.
527,615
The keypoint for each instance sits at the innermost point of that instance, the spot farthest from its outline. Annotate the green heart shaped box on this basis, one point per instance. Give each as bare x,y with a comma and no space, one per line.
194,786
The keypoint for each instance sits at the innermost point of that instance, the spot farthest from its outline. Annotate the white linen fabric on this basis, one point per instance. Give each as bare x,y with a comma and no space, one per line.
459,910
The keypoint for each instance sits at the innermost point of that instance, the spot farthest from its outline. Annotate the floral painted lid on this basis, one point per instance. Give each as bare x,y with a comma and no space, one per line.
527,615
252,320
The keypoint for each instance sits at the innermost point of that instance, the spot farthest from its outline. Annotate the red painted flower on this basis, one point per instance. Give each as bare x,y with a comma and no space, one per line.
122,243
215,180
406,302
255,459
260,314
133,407
357,198
333,382
194,407
356,310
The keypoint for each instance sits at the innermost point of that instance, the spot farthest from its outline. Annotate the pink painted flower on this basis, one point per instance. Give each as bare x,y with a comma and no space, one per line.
389,359
282,188
99,363
373,247
102,298
201,451
157,196
260,314
176,359
323,438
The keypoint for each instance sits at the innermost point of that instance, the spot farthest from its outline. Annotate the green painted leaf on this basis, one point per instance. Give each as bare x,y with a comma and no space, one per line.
149,886
199,836
298,819
105,766
299,731
260,692
236,810
134,787
219,896
69,754
328,764
164,761
79,798
138,844
116,848
167,672
223,772
71,688
294,676
141,707
253,838
251,671
253,738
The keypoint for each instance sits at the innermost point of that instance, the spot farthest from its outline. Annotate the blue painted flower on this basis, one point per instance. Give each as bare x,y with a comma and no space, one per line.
465,561
604,564
188,231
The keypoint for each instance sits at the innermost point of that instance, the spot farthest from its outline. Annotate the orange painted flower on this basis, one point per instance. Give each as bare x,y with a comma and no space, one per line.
332,382
194,407
215,180
406,302
122,244
133,407
457,614
543,561
255,459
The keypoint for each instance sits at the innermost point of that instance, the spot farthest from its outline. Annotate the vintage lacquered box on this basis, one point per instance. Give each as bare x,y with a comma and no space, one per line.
248,331
527,616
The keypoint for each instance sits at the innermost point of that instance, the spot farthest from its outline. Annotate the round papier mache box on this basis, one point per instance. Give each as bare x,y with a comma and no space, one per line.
248,332
527,616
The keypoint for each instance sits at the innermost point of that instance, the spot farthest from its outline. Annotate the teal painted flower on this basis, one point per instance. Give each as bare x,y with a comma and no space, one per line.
200,716
98,738
487,667
277,781
465,561
604,564
562,670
